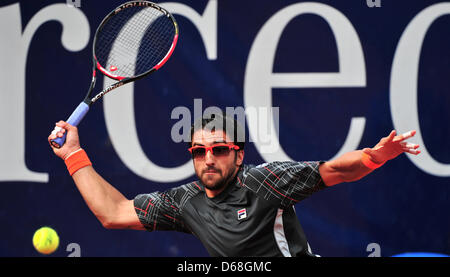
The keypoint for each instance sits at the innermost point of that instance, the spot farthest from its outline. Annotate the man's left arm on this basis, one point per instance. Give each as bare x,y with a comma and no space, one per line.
354,165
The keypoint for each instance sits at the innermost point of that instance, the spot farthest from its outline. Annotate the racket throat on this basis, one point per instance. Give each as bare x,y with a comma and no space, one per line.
105,91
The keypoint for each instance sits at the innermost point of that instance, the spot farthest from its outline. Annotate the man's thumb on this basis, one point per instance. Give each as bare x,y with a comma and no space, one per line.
368,151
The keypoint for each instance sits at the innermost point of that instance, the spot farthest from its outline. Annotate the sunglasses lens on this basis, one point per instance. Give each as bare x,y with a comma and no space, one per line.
198,152
221,150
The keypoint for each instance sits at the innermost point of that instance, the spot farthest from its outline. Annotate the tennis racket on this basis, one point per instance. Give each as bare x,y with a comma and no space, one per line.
132,41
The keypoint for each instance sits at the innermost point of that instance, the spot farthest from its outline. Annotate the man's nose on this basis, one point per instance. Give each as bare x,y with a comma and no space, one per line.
209,157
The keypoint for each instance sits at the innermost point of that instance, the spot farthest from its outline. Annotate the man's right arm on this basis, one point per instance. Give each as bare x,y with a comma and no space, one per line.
111,207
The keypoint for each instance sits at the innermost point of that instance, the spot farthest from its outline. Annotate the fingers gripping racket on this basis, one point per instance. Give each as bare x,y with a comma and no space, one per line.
132,41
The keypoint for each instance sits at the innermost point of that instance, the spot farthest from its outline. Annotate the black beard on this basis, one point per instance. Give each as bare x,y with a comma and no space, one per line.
221,184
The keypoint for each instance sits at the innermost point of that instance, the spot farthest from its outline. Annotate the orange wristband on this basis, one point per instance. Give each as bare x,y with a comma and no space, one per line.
365,159
76,161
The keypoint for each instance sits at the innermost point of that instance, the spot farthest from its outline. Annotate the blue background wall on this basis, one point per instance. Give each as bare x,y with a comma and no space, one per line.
401,207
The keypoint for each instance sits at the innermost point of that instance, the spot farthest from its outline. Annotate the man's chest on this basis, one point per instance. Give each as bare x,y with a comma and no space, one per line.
233,225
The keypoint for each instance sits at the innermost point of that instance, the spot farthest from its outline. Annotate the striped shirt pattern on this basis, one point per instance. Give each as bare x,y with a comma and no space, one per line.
282,183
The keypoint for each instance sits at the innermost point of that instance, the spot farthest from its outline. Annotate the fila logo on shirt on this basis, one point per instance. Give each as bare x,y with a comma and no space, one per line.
242,214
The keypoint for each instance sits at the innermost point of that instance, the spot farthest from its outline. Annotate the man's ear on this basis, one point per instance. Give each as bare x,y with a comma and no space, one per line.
239,157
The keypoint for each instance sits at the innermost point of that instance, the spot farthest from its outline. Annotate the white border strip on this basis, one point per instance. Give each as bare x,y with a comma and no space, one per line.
280,237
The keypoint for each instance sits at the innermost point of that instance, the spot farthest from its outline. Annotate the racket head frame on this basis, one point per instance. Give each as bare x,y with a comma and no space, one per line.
90,99
83,107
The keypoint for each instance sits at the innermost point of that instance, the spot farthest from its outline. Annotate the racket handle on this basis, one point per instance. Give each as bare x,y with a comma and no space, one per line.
73,120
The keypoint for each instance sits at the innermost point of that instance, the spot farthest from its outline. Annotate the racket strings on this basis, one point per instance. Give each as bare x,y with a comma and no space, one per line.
133,41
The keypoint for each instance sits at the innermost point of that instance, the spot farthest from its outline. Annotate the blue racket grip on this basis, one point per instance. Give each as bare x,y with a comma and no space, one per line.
73,120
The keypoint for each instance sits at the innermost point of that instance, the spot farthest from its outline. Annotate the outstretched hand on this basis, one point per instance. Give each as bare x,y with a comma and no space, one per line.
391,146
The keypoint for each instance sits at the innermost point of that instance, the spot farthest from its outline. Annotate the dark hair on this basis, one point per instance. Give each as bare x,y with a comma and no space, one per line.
227,124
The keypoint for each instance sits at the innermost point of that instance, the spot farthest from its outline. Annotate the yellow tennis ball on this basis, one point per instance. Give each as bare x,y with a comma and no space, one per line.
45,240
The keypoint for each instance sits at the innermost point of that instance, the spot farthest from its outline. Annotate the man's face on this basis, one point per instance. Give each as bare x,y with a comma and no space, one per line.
215,171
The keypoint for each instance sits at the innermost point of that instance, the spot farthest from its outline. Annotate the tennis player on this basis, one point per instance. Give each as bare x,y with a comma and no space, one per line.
233,208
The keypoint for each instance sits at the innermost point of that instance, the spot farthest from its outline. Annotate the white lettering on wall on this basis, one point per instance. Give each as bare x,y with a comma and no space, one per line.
13,60
404,80
259,78
258,83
